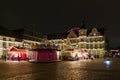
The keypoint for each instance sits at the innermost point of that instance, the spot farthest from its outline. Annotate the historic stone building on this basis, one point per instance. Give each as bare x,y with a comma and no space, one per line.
21,38
77,41
83,40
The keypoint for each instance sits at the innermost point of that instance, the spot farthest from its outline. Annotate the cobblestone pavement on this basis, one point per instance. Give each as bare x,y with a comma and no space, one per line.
65,70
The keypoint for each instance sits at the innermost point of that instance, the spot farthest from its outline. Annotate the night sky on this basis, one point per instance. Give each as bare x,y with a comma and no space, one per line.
60,16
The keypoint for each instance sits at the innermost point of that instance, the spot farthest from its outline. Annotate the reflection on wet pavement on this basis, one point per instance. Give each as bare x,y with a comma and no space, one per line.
67,70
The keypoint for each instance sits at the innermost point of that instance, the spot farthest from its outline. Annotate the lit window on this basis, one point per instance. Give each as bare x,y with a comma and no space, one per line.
94,34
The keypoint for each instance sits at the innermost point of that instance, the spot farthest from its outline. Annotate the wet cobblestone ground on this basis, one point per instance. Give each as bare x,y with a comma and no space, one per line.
67,70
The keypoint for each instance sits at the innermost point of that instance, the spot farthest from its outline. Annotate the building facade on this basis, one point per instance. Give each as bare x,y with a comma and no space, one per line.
90,41
75,42
21,38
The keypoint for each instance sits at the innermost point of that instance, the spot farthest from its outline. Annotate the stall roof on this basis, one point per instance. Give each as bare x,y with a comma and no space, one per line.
12,48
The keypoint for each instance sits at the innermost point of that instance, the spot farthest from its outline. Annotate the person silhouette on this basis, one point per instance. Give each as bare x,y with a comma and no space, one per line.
18,57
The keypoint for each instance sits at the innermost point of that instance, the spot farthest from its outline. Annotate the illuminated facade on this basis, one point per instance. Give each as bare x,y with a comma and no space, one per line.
21,38
82,40
69,43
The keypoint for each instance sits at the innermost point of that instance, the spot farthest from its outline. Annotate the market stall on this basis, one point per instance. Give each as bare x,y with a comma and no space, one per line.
17,54
40,55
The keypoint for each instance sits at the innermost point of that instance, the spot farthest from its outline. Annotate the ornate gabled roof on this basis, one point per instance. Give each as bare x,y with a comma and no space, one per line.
63,35
101,30
72,34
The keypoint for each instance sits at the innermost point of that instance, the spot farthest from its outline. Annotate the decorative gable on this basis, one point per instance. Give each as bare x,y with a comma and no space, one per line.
72,35
94,32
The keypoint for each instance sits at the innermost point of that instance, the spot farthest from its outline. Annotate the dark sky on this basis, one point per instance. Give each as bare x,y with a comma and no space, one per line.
58,16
